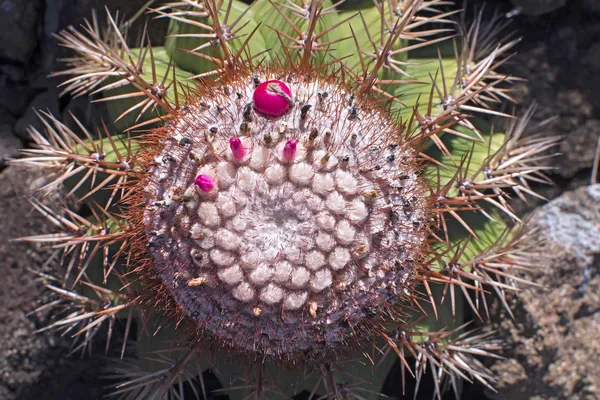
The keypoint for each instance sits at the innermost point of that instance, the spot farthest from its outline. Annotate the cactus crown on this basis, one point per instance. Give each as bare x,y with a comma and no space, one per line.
290,200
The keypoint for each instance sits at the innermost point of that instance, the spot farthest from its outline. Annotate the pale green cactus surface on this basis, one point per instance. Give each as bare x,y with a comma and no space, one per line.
298,245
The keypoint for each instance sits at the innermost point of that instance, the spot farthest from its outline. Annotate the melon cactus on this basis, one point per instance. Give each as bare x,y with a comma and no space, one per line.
302,194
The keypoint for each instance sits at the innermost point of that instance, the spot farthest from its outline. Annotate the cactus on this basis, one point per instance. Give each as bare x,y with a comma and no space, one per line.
310,188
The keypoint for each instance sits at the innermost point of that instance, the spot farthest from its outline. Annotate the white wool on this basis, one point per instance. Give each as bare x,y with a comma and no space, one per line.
207,242
239,223
344,232
243,292
196,231
250,259
315,203
227,240
339,258
275,174
231,275
225,174
303,213
261,274
246,179
324,160
314,260
282,271
300,276
306,243
293,254
325,221
301,173
346,183
270,253
259,158
226,205
271,294
221,258
294,301
300,196
321,280
209,215
336,203
240,198
357,211
325,241
323,183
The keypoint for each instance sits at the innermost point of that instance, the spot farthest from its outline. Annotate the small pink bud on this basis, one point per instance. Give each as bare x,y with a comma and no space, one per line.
204,182
289,149
272,99
237,148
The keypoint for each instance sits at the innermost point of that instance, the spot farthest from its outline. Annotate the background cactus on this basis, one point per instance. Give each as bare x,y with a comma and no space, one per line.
401,103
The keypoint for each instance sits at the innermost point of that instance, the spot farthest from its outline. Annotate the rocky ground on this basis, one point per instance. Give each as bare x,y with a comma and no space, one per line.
35,366
32,366
552,343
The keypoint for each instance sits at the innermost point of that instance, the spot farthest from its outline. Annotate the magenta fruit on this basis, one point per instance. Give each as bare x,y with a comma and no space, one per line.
204,182
272,98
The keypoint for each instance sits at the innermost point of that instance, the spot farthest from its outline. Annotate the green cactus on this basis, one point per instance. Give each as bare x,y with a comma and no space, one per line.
315,191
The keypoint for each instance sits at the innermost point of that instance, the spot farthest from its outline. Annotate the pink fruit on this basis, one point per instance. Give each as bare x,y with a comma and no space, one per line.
272,99
289,150
204,182
237,148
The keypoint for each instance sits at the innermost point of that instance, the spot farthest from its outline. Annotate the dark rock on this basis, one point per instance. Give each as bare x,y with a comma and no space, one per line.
592,56
13,72
538,7
590,70
9,144
6,118
46,102
559,57
591,6
14,96
553,346
19,22
32,365
62,13
19,347
578,149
